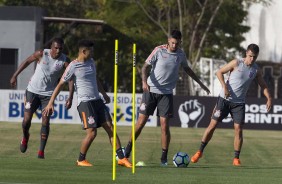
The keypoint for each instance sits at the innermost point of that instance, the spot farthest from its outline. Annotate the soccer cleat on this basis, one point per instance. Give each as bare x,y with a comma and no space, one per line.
41,154
83,163
236,162
124,162
196,157
23,145
163,163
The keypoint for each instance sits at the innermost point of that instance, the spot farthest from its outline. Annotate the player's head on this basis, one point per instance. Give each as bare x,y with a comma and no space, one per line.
85,48
254,48
252,53
174,40
57,45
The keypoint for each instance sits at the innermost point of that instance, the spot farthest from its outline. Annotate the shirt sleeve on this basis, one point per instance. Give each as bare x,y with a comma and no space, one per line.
69,72
153,57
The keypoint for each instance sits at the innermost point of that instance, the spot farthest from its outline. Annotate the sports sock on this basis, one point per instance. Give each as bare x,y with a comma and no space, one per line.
164,155
44,137
120,153
25,127
128,149
81,157
236,154
202,147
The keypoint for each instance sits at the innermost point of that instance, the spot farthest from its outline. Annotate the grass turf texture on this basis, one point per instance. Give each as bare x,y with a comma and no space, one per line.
261,157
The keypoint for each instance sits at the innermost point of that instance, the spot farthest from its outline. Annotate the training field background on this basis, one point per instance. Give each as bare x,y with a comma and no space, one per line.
261,157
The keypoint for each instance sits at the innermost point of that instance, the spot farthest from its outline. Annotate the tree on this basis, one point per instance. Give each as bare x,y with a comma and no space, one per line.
210,28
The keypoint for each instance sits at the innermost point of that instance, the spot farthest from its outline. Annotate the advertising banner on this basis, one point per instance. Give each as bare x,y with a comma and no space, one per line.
195,112
12,108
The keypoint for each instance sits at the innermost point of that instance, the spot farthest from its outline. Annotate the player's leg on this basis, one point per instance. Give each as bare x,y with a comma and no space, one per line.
165,138
123,161
45,127
238,115
26,124
91,133
220,112
147,108
44,134
238,142
165,111
31,103
103,116
141,122
90,123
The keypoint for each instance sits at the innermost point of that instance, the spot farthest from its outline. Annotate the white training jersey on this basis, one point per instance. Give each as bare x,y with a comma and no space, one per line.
84,75
165,67
239,81
47,74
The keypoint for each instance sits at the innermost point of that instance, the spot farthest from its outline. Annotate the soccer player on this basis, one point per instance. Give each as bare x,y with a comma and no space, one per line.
164,61
91,108
232,98
50,66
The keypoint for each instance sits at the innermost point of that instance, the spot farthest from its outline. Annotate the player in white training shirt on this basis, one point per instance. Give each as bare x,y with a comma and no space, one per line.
91,108
232,97
165,61
50,66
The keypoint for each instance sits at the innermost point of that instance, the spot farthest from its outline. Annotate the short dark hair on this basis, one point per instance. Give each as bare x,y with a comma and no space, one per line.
85,43
176,34
254,48
58,40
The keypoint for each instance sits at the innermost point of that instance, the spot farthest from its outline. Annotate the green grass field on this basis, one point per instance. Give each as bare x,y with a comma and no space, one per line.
261,157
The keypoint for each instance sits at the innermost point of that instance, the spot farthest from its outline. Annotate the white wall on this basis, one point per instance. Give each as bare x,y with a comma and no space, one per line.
266,26
19,35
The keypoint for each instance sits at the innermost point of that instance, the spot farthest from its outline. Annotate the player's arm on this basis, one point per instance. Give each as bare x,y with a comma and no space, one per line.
145,73
265,89
223,70
34,57
71,91
71,87
49,109
103,92
190,72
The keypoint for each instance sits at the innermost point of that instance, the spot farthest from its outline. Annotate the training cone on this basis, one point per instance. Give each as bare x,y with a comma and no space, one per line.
140,164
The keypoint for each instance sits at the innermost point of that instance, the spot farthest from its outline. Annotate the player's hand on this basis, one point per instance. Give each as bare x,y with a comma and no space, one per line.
48,110
68,103
13,81
268,105
145,86
190,113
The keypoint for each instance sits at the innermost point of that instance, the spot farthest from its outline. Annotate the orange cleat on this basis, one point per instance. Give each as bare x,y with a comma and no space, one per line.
83,163
124,162
236,162
196,157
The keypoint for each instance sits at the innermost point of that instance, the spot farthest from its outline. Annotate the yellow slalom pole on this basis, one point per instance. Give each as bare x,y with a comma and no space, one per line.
115,108
133,107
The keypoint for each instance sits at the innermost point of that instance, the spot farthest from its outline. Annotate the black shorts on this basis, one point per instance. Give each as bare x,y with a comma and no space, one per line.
93,114
34,101
163,102
224,107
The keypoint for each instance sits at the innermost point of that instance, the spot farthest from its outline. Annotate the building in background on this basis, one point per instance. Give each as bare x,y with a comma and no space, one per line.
21,33
266,25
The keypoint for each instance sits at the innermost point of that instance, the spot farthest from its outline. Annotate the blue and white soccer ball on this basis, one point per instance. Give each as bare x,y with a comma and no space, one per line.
123,150
181,159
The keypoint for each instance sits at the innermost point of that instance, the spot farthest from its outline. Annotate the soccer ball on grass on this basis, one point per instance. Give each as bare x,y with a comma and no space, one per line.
181,159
